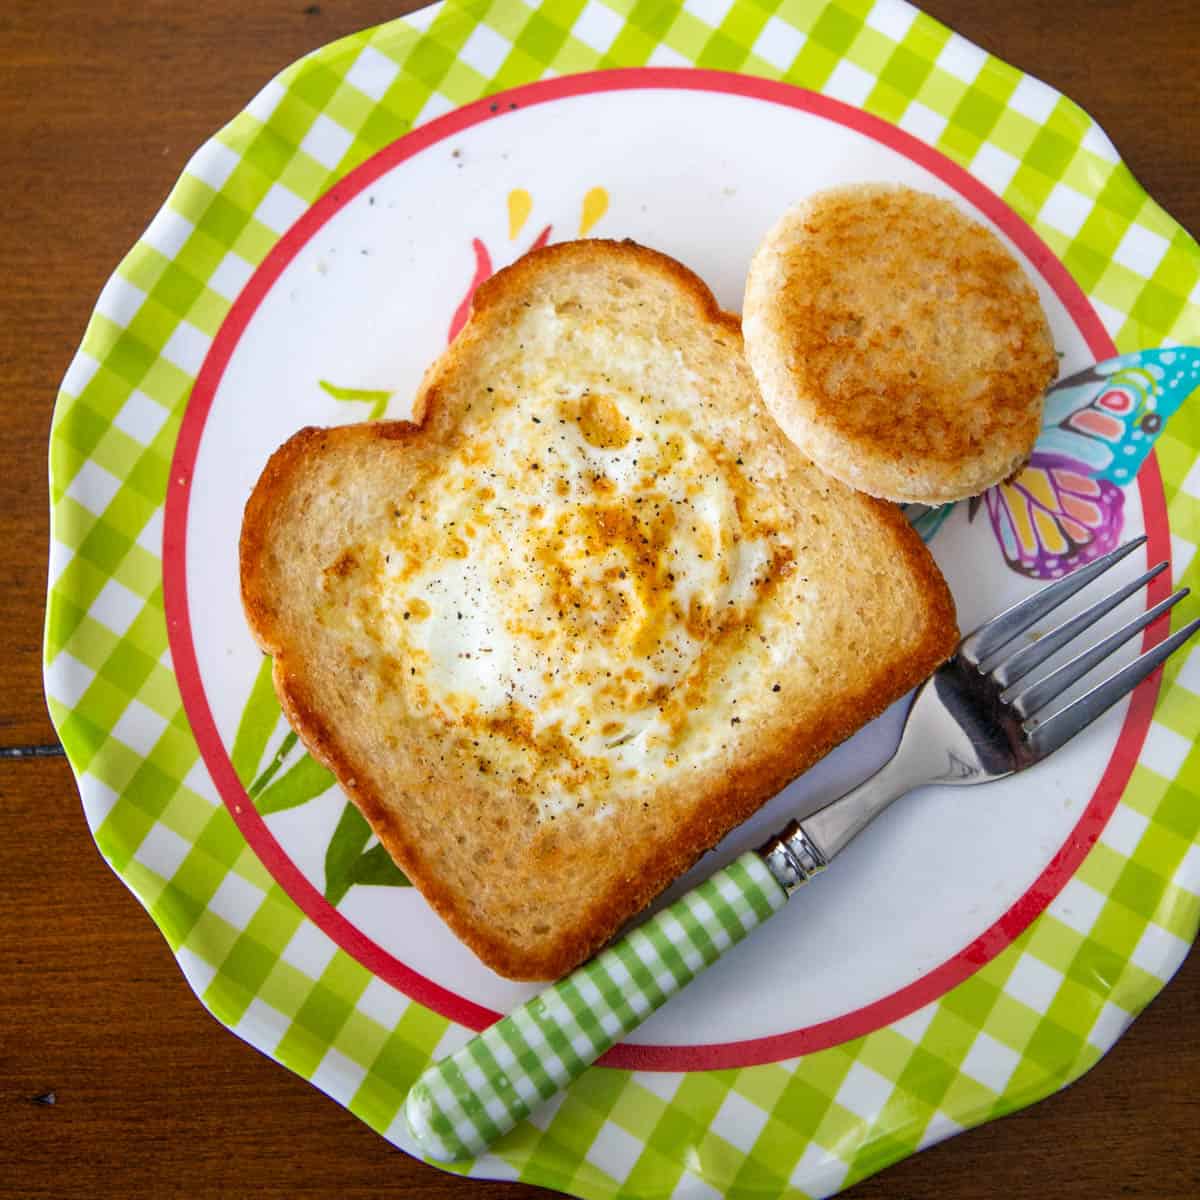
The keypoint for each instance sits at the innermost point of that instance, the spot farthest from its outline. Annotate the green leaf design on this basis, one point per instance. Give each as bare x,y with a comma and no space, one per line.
376,399
376,867
259,718
302,782
285,748
347,863
345,849
347,860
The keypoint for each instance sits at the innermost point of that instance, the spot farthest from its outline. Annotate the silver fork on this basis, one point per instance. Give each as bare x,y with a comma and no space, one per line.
981,716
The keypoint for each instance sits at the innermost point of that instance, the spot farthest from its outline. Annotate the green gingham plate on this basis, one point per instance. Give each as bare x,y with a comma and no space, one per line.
311,260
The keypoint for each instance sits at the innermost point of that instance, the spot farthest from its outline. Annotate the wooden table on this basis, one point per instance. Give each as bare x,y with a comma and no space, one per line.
100,105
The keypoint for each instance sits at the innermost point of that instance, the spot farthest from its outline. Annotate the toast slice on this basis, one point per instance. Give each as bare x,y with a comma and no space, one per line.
585,613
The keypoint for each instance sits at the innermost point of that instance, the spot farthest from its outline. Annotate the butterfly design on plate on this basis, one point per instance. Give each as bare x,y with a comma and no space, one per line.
1067,506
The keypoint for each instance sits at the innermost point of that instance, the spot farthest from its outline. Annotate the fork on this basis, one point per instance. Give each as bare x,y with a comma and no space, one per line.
981,716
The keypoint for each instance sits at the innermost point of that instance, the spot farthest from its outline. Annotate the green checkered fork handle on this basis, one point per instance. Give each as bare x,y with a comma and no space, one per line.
465,1102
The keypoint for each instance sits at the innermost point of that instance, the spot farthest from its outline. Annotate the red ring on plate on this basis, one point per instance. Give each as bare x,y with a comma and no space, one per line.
386,966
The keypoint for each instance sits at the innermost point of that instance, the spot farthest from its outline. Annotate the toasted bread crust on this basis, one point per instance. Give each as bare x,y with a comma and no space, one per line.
898,343
630,875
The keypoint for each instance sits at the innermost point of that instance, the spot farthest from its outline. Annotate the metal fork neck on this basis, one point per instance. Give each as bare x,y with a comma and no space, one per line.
805,848
792,858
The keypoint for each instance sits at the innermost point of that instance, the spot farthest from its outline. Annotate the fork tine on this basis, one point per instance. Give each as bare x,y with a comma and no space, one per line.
1000,630
1048,735
1019,664
1029,700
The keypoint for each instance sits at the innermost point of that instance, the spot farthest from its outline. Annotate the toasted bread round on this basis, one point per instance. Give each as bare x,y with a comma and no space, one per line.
898,343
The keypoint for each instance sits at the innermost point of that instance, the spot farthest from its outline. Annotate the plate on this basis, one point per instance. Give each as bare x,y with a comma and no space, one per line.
971,952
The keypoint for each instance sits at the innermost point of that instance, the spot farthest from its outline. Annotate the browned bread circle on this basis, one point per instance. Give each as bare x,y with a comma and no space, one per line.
898,343
584,614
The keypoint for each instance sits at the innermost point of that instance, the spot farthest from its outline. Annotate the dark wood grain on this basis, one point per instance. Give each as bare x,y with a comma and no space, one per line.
100,105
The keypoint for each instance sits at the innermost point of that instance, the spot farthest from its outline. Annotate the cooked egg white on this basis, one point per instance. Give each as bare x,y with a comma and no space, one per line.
569,587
